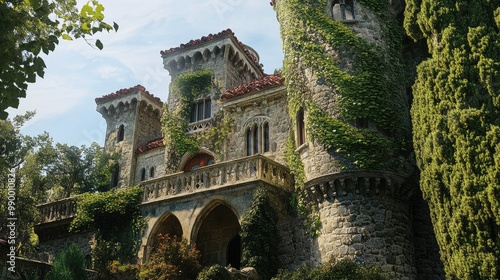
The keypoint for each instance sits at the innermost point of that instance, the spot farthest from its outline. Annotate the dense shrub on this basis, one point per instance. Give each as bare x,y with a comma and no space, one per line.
174,259
214,272
68,265
260,238
341,270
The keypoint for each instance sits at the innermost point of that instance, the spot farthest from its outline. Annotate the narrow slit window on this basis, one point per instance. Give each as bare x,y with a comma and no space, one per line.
121,133
301,132
152,172
249,142
343,10
143,174
255,140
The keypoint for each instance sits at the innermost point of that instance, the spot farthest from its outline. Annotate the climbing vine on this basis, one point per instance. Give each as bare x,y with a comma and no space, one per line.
186,89
364,76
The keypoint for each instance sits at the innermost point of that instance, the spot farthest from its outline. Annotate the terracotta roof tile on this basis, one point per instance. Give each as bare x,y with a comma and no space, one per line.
211,37
156,143
253,86
125,91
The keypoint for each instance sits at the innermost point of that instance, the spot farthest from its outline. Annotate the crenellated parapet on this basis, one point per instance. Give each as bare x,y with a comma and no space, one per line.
125,100
333,186
231,61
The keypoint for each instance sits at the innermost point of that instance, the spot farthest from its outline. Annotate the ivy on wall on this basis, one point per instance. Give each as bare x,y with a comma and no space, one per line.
117,221
365,77
185,90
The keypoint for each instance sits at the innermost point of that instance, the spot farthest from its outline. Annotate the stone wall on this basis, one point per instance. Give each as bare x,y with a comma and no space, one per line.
372,230
51,248
153,158
271,109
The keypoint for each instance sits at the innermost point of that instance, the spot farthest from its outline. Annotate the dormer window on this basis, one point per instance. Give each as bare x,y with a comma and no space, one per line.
201,110
343,10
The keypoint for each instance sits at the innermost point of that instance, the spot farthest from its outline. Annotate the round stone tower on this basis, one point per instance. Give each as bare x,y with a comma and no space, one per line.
344,74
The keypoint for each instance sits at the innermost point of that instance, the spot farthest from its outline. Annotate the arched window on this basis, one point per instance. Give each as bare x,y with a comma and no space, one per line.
143,174
343,10
257,139
121,133
301,131
249,141
199,160
152,172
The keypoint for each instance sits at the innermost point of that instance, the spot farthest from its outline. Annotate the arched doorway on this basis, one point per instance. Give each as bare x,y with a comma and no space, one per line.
216,237
168,225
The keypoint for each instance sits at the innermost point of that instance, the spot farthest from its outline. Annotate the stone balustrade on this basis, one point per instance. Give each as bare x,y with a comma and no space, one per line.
248,169
200,125
57,210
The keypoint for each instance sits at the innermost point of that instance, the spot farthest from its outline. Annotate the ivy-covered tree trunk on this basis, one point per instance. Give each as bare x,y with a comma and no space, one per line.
456,128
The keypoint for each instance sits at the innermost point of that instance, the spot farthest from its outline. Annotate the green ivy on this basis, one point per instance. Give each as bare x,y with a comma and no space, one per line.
117,221
456,130
186,89
371,89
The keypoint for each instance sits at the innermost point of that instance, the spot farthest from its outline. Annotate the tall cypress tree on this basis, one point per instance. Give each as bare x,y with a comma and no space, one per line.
456,126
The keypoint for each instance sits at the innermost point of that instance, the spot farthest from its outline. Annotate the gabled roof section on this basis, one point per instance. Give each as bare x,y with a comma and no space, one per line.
125,91
153,144
228,33
266,82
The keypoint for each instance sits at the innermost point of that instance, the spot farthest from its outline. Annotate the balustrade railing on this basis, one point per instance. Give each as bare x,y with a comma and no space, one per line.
200,125
234,172
57,210
217,175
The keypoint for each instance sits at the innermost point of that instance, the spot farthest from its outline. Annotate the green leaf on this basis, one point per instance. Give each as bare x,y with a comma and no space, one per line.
98,44
66,37
115,26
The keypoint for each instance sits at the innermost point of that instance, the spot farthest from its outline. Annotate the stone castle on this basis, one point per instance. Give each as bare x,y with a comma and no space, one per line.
374,217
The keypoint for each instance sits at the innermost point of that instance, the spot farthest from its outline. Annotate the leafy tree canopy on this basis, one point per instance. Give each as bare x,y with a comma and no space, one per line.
30,28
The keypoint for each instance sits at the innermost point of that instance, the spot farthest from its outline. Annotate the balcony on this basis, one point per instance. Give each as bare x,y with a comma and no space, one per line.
249,169
230,173
60,210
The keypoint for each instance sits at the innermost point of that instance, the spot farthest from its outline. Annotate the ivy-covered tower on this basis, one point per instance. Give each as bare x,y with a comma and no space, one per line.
132,119
344,74
200,70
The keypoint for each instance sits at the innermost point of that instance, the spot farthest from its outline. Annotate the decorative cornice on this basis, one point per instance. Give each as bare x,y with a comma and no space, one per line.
374,183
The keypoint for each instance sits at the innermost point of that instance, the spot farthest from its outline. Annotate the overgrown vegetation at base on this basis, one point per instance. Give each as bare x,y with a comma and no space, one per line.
214,272
456,130
115,217
341,270
259,236
173,259
68,265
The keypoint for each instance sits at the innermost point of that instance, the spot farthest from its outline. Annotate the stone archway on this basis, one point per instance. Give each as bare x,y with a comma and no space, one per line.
170,225
216,237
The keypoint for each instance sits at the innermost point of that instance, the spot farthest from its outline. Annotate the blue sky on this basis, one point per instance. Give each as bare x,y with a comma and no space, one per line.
77,73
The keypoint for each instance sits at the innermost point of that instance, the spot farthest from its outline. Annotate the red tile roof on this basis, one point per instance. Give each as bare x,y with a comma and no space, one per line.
125,91
228,32
156,143
253,86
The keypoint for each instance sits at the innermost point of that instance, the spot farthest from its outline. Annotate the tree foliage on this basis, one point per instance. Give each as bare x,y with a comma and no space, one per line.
30,28
68,265
457,130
